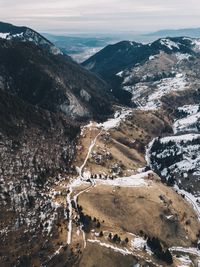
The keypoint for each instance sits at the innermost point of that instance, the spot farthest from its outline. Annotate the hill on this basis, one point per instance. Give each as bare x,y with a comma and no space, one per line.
121,64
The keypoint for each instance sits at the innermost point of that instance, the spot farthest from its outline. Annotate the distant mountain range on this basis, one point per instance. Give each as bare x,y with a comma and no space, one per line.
80,48
190,32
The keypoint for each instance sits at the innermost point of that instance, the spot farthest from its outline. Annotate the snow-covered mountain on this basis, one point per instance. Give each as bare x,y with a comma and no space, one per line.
147,71
24,34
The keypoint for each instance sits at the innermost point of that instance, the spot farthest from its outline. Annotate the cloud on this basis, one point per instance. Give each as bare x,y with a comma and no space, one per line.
101,15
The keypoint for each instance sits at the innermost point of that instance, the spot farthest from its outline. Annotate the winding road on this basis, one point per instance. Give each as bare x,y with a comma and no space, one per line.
80,178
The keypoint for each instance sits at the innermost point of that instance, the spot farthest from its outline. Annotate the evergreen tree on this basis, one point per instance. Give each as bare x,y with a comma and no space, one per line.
101,234
126,240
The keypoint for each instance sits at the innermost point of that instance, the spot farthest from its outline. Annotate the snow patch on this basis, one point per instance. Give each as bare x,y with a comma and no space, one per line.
120,74
180,57
124,251
136,180
189,124
169,44
151,99
115,122
138,243
4,35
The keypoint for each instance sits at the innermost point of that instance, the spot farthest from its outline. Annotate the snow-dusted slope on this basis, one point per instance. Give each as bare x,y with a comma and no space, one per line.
147,97
147,72
177,156
24,34
189,120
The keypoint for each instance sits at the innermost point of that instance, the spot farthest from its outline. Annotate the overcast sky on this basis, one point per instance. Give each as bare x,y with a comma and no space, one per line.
101,15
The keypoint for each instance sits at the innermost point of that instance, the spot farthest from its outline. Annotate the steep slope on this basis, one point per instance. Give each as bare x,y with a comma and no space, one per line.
43,97
71,202
139,69
24,34
51,81
35,147
175,158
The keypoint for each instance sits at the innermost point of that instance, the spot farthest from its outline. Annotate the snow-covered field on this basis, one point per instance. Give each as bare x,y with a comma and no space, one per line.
182,57
169,43
189,109
4,35
8,35
136,180
189,124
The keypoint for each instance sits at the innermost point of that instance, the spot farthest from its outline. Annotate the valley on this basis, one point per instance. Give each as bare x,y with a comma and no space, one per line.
99,165
101,201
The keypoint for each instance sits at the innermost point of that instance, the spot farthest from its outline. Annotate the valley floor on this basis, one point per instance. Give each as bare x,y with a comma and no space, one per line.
117,209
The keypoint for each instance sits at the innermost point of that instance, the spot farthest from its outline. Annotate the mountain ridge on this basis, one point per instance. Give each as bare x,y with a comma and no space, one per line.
22,33
114,60
79,193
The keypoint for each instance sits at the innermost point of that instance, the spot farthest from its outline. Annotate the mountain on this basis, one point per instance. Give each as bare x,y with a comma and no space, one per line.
44,99
163,76
74,193
24,34
51,81
120,64
189,32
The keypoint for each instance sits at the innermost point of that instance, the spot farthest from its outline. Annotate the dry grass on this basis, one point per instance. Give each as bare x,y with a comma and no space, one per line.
96,256
126,143
135,209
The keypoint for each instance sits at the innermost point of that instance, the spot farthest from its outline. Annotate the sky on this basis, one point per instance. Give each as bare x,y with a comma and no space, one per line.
101,16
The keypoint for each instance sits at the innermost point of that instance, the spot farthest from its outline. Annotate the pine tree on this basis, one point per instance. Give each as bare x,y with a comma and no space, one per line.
101,234
115,238
126,240
168,257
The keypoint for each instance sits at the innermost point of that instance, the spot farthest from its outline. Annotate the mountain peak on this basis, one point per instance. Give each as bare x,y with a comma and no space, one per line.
25,34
